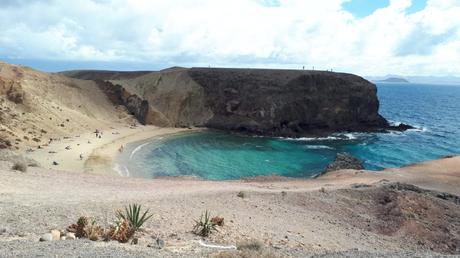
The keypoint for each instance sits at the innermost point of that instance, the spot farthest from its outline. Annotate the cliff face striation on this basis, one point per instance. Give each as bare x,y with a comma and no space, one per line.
259,101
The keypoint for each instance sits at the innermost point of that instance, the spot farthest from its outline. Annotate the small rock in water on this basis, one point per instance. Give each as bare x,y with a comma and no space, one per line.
46,237
70,236
56,234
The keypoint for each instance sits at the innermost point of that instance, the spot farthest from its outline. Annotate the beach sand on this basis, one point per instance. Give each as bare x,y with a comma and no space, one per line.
97,153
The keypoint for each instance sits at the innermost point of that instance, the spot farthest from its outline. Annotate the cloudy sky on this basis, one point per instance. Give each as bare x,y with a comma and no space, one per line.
367,37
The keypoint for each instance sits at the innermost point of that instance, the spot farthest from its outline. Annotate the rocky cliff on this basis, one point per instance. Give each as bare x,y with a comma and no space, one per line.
259,101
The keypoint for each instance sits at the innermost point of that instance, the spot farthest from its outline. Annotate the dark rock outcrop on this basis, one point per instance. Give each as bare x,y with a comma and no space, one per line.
402,127
344,161
258,101
288,102
119,96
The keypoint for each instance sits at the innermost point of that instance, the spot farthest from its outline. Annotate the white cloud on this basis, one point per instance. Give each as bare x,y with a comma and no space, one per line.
245,33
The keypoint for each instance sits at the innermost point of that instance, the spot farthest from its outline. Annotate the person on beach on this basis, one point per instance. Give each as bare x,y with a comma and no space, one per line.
121,148
81,156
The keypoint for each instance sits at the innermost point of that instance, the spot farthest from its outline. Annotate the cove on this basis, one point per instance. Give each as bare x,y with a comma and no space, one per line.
216,155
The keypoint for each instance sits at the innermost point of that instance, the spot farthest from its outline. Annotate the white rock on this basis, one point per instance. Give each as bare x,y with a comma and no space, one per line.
70,236
63,238
46,237
56,234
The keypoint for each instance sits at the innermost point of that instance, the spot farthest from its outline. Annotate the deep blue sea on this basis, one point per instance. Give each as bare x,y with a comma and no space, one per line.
214,155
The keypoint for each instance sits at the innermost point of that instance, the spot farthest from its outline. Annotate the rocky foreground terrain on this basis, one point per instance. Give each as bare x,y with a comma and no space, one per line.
343,214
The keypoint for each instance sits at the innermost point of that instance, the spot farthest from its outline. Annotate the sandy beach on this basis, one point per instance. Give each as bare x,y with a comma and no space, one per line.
97,154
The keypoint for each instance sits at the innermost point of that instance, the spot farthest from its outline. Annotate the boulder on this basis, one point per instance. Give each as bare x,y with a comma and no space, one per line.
46,237
56,234
345,161
70,236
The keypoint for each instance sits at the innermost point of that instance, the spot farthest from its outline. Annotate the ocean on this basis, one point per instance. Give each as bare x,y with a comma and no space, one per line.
214,155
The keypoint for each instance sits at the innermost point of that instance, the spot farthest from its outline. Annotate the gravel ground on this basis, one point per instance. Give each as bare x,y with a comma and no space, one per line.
289,218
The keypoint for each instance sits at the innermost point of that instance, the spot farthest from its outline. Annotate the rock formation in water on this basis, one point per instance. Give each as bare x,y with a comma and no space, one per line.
344,161
258,101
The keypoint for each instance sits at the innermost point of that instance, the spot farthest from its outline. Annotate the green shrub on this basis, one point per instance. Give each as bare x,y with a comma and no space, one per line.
204,226
132,215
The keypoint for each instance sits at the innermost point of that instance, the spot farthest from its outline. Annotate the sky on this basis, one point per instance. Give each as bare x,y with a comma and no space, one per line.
366,37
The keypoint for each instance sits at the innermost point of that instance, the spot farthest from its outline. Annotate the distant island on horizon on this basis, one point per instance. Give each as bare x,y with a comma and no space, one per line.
394,80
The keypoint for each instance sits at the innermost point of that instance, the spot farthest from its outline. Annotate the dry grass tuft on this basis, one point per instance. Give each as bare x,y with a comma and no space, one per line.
248,249
251,244
20,166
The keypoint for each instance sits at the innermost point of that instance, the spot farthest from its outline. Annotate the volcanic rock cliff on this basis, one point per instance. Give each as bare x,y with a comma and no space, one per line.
259,101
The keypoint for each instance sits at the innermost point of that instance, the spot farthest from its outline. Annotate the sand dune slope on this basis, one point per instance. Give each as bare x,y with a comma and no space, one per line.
36,106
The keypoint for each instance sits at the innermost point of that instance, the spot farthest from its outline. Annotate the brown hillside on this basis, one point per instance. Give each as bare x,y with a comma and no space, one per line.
36,106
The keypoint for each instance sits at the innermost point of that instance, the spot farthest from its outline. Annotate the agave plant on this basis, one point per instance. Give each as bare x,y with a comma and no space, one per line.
204,226
132,215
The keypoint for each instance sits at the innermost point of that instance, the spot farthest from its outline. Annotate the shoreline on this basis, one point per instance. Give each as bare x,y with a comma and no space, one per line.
98,154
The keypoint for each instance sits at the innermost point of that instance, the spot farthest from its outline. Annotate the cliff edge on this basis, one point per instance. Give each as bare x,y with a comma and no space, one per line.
258,101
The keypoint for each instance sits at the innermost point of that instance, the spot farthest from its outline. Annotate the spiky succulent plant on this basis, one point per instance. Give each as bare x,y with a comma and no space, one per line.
132,214
204,226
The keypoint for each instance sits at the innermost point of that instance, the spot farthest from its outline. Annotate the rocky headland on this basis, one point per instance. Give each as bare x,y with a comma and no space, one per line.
257,101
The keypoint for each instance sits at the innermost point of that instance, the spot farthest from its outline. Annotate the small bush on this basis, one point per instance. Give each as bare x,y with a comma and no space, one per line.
94,231
251,244
132,215
246,254
241,195
20,166
84,228
204,226
121,231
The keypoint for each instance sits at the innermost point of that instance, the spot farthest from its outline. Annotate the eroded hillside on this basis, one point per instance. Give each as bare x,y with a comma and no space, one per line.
36,107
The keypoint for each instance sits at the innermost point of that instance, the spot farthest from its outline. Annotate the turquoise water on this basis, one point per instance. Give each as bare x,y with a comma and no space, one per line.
214,155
